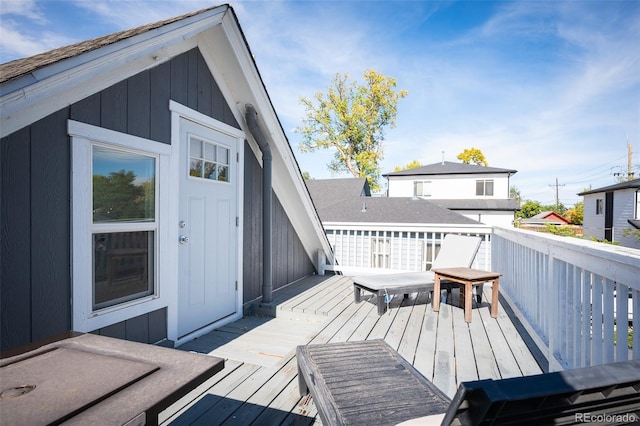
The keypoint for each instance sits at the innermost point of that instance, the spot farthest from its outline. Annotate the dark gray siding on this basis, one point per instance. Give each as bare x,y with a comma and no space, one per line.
290,261
35,170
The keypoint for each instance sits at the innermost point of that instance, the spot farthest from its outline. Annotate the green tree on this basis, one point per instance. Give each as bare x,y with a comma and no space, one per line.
575,215
118,197
351,119
474,156
411,165
514,193
529,209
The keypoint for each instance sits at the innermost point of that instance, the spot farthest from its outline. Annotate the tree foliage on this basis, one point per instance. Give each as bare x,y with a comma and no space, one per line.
473,155
351,119
411,165
118,197
575,215
529,209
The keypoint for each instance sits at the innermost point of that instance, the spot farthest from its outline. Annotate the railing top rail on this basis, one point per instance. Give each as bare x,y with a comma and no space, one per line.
617,263
411,227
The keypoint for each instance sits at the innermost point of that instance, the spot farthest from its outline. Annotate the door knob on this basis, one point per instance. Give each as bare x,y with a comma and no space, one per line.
183,239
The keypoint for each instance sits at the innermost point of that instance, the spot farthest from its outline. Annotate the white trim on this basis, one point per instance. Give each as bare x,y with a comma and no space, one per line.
178,112
83,137
34,96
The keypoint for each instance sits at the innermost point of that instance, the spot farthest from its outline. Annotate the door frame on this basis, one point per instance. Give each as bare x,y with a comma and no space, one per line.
179,111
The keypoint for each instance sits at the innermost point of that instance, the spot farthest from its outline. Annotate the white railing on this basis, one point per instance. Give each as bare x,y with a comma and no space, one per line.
380,249
578,299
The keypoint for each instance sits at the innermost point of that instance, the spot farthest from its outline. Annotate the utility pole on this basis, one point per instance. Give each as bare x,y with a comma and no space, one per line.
629,161
557,185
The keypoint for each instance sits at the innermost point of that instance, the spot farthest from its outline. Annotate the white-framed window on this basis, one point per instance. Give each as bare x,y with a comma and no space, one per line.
637,204
380,252
208,160
124,225
599,206
484,187
422,188
117,187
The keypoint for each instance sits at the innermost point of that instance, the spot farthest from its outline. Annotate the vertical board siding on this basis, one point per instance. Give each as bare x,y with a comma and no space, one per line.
50,226
15,270
36,184
290,261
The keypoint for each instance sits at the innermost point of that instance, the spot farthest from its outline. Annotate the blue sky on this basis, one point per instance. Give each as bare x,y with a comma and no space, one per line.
551,89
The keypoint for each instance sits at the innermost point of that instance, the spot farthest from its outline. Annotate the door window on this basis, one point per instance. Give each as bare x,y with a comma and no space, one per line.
208,160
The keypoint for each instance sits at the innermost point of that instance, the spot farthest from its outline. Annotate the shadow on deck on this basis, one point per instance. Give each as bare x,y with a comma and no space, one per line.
259,382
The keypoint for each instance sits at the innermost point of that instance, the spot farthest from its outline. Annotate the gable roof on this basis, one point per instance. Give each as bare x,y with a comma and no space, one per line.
629,184
450,168
325,192
20,67
35,87
547,217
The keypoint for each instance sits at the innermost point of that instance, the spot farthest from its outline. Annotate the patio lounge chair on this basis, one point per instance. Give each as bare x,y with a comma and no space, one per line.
369,383
456,251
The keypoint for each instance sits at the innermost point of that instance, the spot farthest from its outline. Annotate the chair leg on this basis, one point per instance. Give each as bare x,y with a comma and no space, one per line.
382,306
357,293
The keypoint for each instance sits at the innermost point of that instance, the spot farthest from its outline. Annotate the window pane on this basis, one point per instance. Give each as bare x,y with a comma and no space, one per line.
123,186
209,152
195,168
210,170
223,173
123,265
195,149
488,188
223,155
479,187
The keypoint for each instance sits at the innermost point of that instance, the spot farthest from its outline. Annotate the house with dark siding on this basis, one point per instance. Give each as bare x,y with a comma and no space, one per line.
148,190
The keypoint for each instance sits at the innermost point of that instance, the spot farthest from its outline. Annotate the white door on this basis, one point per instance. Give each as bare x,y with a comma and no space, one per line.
207,226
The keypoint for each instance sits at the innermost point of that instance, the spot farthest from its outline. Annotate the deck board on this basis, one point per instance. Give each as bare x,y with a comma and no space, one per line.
441,345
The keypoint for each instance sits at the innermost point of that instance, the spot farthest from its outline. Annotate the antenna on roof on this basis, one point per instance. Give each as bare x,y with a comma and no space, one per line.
443,158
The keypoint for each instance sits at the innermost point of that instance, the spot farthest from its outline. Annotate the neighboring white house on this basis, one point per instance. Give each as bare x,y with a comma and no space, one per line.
387,233
477,192
612,210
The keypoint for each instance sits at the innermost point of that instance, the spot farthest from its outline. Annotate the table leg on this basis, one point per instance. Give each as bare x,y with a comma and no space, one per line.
436,294
467,301
494,298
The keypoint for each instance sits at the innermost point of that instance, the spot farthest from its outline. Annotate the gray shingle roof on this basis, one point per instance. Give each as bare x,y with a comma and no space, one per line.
635,183
20,67
325,192
390,210
450,168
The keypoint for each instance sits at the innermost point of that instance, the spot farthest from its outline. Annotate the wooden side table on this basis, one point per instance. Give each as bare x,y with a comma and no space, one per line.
468,277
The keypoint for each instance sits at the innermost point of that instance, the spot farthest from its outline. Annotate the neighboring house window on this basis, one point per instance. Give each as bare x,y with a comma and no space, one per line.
599,206
484,187
124,226
422,188
380,252
208,160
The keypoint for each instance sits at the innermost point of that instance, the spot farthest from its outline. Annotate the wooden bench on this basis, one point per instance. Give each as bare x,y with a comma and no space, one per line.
369,383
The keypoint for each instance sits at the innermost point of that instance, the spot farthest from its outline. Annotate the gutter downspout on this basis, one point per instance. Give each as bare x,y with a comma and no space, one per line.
267,280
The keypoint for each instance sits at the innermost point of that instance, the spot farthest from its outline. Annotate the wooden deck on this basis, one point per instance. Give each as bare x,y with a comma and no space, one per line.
259,382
